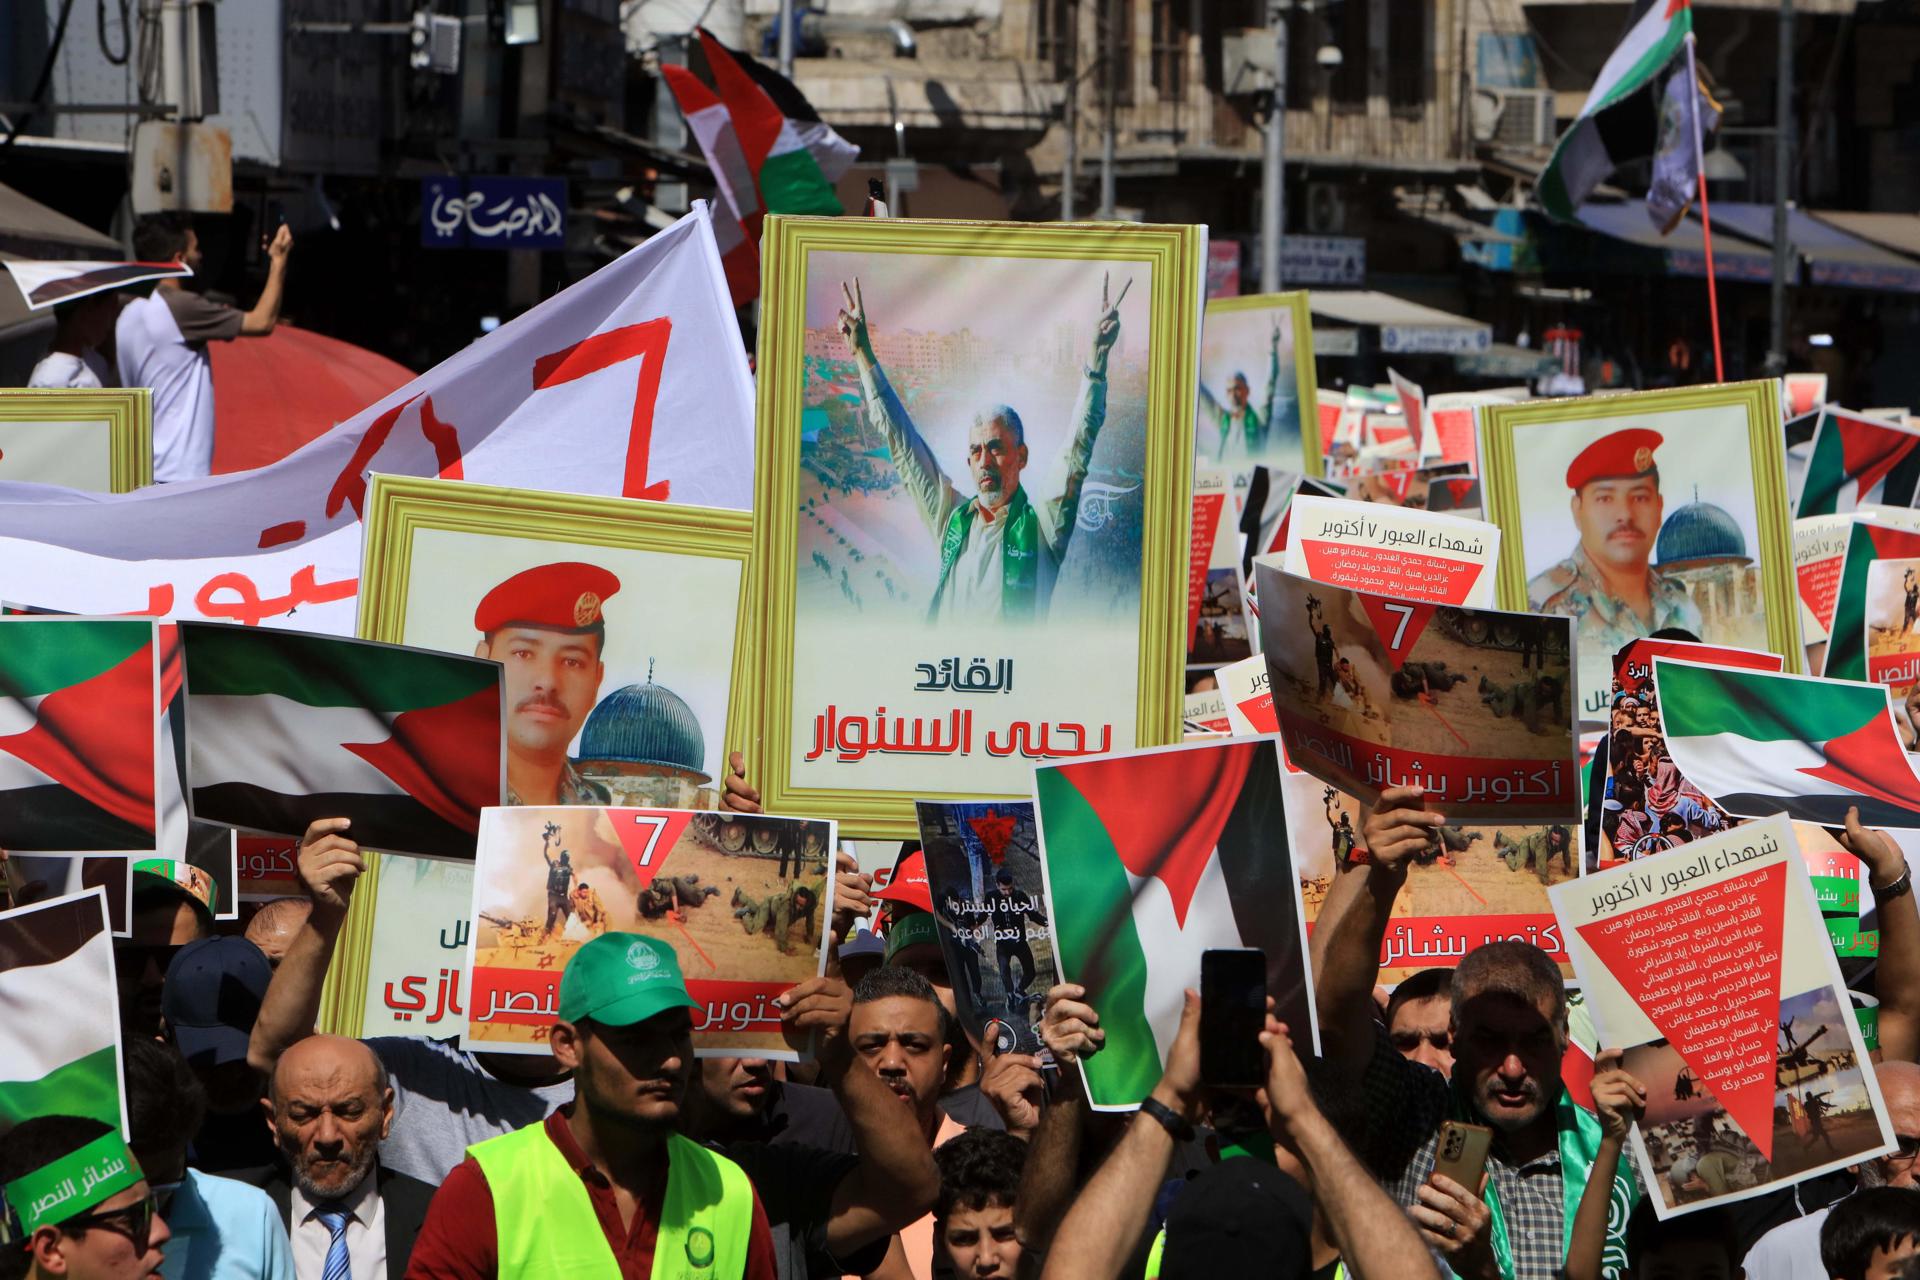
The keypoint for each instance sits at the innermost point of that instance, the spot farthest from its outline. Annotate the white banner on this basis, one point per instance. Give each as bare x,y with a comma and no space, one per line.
631,383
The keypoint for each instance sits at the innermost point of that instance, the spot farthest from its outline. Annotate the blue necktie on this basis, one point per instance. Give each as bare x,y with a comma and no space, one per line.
337,1267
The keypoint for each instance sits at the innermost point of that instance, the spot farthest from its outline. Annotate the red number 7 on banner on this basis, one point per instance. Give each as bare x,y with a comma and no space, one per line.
647,342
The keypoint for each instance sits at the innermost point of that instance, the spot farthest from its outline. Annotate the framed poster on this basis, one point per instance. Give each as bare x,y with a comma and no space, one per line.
959,521
1646,512
99,440
1257,385
614,618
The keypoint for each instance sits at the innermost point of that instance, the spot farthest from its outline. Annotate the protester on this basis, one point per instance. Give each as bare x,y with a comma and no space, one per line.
1867,1236
447,1099
330,1105
1794,1248
80,328
1111,1215
161,342
973,1222
164,919
210,1002
117,1236
606,1182
274,926
830,1211
1418,1013
899,1032
1508,1033
222,1229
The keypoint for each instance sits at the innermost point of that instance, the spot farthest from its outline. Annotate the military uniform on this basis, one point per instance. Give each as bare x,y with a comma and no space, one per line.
574,789
776,910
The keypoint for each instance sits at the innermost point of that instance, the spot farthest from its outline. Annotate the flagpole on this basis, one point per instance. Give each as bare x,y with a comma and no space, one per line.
1706,219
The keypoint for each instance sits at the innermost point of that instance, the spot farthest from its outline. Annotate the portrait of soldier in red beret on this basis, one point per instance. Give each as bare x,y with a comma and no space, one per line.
1609,582
546,627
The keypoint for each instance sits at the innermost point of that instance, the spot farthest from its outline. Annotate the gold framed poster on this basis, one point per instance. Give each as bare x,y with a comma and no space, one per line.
96,439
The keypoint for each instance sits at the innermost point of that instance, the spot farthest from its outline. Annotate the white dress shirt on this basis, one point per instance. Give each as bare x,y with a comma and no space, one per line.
366,1232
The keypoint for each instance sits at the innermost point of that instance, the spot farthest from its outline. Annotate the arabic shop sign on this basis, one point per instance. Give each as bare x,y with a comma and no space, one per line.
493,213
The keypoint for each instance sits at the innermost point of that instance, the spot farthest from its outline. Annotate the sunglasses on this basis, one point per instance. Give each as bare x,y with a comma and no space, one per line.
135,1222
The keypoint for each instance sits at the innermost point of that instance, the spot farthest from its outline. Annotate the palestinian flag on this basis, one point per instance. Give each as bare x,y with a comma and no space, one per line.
834,154
47,284
1869,542
77,733
1620,120
1759,743
1852,455
59,1022
713,129
284,727
788,175
1151,858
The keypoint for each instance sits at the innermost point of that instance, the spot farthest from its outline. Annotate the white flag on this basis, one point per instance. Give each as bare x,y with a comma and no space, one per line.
631,383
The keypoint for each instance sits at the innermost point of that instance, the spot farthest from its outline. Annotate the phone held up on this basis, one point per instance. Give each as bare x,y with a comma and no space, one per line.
1233,1012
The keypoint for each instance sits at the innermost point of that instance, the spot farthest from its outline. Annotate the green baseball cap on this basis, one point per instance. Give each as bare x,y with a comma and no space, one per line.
619,979
910,929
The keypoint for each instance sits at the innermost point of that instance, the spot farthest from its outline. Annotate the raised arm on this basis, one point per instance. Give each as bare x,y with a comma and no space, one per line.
1071,1031
259,322
919,470
1089,415
1375,1237
328,863
1619,1100
1273,379
1110,1216
896,1181
1898,981
1353,922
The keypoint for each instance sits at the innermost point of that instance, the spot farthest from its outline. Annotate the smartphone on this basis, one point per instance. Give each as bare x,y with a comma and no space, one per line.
1233,1012
1462,1153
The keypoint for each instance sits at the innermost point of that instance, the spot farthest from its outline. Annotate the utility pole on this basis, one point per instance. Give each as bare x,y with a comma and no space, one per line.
1273,184
1070,168
786,38
1782,180
1112,61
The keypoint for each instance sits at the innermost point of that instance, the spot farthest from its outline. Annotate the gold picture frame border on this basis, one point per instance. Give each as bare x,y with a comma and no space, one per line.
128,412
762,726
1759,398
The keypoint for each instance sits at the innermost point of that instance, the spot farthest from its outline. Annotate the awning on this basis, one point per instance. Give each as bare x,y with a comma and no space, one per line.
273,394
1833,256
1684,249
1504,360
1897,231
1405,327
29,229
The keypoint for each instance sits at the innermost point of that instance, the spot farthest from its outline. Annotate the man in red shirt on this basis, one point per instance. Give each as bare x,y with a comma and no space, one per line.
511,1211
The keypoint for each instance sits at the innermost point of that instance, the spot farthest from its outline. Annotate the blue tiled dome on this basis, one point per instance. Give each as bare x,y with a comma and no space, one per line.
645,724
1699,531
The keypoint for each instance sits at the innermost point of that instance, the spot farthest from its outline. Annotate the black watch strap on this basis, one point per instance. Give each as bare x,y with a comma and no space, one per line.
1163,1116
1899,888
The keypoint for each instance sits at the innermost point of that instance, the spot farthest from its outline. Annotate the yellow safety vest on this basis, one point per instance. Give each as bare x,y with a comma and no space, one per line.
546,1229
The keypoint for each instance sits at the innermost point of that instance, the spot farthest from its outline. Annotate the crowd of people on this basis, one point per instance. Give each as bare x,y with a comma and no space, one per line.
899,1148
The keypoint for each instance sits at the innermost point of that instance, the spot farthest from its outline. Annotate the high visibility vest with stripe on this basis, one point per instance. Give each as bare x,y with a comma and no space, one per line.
546,1229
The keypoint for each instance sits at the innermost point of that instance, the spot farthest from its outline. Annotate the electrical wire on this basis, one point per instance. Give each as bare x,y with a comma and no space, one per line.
100,32
45,80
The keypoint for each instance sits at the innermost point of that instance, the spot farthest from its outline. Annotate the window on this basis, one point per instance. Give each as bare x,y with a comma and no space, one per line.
1053,35
1409,30
1173,22
1349,25
1113,44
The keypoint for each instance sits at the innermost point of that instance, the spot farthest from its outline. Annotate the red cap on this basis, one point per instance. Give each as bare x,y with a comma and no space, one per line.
1622,455
553,597
908,885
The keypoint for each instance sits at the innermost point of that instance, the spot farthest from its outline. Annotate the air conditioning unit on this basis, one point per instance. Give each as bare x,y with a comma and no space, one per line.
1326,209
1513,117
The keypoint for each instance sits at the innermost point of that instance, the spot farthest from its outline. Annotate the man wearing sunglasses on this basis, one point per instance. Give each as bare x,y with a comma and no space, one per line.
79,1207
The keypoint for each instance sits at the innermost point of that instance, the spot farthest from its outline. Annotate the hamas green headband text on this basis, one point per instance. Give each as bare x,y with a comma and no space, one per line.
74,1183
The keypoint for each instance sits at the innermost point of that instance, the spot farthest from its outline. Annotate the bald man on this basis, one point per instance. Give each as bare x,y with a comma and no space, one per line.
274,925
330,1106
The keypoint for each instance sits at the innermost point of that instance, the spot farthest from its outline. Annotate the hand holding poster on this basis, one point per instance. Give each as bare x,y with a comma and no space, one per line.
1151,858
745,902
983,873
1709,965
1373,692
1393,551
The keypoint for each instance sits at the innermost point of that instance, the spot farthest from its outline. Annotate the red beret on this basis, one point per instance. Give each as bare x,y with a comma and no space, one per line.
553,597
1617,456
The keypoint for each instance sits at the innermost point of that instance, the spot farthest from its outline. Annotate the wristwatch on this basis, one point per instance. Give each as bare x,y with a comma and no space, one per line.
1899,888
1163,1115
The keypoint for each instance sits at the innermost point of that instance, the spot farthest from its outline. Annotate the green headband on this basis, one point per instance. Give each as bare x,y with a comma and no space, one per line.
74,1183
910,930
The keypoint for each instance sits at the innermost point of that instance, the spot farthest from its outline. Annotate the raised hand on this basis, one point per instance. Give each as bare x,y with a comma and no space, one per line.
329,862
1885,863
1618,1099
1107,331
280,245
1396,828
853,322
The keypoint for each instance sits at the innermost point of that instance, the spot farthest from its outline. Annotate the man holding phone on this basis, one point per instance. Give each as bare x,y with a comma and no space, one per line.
1508,1032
